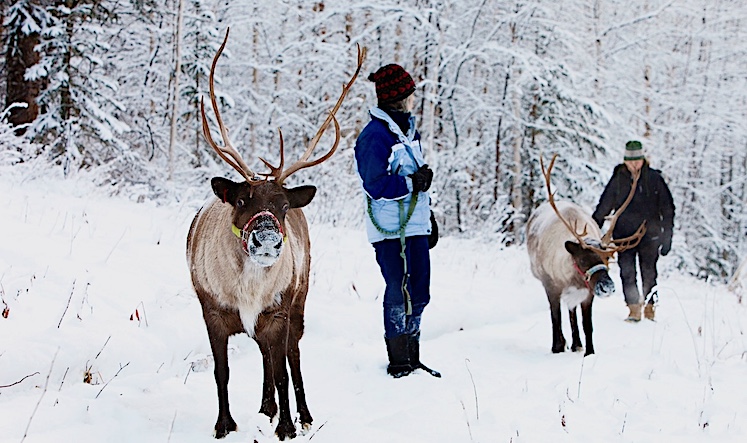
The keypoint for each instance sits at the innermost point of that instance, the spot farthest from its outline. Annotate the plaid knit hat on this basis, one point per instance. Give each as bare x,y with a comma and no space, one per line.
393,84
633,150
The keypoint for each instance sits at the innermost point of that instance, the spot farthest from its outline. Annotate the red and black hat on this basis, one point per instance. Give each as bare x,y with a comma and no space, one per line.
393,84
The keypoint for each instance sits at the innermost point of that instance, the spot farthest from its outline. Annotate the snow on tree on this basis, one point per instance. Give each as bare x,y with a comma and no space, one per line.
500,83
79,123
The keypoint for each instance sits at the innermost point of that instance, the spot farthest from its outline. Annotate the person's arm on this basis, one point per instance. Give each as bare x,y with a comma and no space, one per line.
606,202
372,157
666,211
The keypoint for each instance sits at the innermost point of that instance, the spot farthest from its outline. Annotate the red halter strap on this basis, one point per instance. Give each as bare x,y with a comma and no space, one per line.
269,214
586,280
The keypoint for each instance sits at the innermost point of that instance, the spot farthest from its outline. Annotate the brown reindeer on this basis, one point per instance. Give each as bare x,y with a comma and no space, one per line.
569,256
248,254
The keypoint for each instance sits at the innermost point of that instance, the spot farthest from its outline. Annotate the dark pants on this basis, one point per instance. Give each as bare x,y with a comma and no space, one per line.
396,321
647,252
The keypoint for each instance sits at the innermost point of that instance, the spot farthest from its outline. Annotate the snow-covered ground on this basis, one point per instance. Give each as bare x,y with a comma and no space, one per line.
97,288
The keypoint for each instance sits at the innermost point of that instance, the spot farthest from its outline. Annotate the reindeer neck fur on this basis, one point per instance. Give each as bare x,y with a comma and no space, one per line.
229,276
546,236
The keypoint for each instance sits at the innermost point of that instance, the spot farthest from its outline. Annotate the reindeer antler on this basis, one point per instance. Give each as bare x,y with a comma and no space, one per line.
609,246
235,159
231,156
633,240
304,162
551,199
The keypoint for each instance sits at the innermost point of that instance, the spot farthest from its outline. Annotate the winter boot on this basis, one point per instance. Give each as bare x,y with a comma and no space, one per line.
649,311
399,359
635,313
413,344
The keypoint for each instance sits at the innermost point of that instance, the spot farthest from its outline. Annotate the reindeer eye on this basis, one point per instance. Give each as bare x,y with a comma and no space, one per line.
240,203
285,207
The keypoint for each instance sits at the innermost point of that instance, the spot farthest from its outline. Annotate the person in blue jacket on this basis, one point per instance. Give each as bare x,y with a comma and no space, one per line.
652,203
395,179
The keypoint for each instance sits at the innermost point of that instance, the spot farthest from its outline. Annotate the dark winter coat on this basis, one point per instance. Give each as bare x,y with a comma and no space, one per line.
651,202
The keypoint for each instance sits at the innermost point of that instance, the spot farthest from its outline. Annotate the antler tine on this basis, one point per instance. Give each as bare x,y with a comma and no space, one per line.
276,172
630,242
551,199
228,150
607,237
331,118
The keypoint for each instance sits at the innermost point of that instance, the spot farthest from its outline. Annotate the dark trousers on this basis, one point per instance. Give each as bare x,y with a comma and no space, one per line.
647,252
396,321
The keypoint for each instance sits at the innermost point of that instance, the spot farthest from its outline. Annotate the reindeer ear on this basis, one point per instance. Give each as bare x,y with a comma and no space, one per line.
300,196
572,247
225,189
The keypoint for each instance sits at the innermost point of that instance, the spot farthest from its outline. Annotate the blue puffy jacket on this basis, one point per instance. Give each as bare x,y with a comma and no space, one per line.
384,158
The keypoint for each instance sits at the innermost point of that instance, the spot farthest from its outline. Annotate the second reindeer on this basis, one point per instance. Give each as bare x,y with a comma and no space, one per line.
569,256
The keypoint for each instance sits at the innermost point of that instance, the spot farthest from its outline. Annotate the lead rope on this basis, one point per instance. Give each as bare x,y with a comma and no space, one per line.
403,220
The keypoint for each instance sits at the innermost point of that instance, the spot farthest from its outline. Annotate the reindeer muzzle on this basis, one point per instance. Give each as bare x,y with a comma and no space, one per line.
262,238
604,286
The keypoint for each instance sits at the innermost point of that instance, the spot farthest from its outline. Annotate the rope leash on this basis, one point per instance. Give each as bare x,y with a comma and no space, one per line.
403,220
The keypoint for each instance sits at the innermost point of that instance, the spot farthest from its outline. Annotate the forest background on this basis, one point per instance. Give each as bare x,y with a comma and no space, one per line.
111,89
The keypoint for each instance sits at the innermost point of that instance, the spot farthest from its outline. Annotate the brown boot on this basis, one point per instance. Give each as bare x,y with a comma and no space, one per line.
635,313
649,311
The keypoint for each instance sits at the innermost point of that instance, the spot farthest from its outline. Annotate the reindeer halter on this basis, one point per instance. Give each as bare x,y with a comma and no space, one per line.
243,233
590,272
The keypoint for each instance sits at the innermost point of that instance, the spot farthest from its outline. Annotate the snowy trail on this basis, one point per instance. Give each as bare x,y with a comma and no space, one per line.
74,268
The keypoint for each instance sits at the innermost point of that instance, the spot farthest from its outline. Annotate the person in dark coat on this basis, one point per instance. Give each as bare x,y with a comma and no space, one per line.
395,180
652,203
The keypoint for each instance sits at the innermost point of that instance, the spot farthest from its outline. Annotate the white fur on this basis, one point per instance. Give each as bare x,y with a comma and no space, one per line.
573,296
546,237
220,266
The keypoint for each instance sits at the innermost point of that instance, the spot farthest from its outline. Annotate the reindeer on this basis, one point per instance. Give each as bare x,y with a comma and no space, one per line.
248,255
573,271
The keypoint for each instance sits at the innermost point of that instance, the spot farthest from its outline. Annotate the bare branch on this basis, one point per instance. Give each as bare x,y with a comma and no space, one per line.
72,291
44,391
19,381
110,380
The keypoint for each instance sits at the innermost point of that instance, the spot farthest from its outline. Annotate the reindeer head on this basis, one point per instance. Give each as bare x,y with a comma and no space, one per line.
592,268
259,214
261,203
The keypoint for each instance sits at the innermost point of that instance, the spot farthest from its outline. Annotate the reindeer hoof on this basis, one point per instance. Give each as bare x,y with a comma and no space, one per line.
305,419
558,347
285,430
270,409
305,428
224,426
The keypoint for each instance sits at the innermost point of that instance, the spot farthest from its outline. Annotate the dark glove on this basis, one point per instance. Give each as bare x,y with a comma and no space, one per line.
666,244
433,237
421,179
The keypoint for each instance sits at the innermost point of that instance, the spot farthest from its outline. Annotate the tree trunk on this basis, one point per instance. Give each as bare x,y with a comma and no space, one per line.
497,178
20,56
177,70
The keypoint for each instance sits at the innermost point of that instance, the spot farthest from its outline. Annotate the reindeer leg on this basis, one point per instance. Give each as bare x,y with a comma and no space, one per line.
272,337
268,406
576,344
218,334
588,328
294,360
558,341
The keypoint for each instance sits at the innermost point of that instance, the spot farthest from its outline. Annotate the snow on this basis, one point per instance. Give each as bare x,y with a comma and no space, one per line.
78,268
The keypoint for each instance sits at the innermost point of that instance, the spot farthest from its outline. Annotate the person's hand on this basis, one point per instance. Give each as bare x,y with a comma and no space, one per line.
666,245
421,179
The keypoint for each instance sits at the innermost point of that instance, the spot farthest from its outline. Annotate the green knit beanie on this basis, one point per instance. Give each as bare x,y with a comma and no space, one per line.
634,150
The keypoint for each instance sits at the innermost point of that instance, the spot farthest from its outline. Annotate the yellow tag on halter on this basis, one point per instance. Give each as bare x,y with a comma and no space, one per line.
236,231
